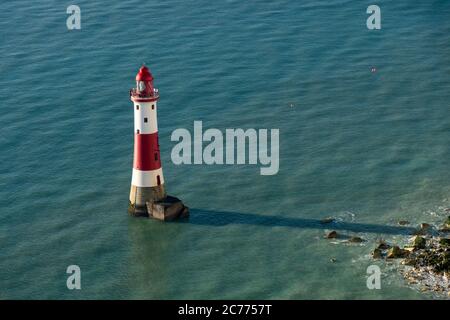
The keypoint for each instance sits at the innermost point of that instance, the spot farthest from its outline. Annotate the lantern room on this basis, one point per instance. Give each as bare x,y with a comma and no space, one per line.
144,82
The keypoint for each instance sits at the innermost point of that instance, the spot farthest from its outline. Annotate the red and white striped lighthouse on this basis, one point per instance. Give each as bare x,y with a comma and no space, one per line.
147,195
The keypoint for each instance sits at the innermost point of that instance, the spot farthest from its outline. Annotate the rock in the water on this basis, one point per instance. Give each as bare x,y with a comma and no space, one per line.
376,253
423,229
396,252
403,222
425,226
333,260
383,245
419,242
327,220
332,235
356,240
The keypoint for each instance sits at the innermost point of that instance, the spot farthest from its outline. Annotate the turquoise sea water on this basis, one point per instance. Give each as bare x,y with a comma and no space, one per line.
367,148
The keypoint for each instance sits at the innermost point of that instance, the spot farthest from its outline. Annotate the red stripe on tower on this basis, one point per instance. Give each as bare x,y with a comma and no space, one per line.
146,152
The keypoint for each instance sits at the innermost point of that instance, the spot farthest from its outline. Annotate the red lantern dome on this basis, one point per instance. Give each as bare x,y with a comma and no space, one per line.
144,74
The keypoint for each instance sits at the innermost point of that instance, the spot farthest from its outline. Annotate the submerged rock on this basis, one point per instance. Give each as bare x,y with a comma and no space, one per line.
332,235
403,222
356,240
383,245
425,226
377,253
327,220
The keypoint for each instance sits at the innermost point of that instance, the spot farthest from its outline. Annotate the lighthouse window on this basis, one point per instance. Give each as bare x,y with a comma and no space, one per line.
137,107
153,107
145,120
137,131
156,157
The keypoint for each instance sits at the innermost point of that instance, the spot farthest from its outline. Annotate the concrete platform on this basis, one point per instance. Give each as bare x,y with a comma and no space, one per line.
168,209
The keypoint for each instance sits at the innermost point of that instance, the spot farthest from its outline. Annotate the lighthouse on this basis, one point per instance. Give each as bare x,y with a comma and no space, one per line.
148,195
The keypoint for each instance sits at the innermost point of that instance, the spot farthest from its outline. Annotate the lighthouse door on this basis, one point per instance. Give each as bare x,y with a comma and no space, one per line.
158,180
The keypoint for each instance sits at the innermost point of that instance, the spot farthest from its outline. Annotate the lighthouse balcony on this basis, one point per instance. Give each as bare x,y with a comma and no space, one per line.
137,94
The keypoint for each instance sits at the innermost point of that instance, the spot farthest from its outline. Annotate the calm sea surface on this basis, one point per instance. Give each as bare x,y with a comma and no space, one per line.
369,148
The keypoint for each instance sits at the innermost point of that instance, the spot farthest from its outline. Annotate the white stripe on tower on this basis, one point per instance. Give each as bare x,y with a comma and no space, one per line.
147,178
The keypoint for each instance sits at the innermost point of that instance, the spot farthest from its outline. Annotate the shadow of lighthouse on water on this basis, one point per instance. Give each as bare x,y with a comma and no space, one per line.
223,218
